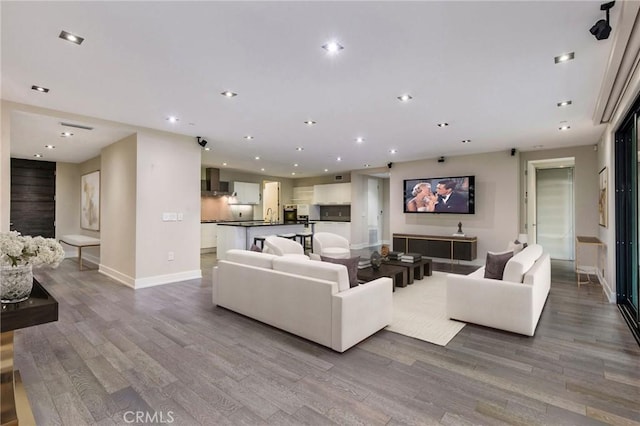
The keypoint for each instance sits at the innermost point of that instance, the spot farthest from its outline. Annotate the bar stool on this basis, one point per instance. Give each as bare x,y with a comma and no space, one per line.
259,239
290,236
302,236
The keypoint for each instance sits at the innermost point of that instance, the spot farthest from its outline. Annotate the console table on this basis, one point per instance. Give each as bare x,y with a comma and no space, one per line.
593,241
454,248
39,308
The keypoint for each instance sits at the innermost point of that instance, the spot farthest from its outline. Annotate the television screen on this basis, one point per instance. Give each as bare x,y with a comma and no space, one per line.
440,195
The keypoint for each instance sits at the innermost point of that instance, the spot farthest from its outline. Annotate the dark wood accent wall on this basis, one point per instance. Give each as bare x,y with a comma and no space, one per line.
458,248
33,197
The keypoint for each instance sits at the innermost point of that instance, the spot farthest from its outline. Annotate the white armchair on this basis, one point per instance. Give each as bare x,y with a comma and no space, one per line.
331,245
283,247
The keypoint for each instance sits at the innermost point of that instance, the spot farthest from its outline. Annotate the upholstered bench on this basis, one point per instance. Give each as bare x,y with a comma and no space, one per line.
80,241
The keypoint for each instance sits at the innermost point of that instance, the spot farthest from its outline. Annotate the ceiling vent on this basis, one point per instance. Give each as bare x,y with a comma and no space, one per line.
338,178
77,126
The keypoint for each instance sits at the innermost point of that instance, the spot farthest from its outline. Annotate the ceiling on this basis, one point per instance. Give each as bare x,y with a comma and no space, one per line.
485,68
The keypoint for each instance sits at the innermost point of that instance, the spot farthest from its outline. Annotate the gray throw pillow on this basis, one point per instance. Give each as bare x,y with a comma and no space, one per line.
494,267
351,264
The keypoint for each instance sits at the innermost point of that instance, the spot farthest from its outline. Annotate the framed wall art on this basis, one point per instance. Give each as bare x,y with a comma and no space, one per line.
602,198
90,201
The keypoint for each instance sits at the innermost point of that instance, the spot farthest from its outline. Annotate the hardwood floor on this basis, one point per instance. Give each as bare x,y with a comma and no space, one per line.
165,355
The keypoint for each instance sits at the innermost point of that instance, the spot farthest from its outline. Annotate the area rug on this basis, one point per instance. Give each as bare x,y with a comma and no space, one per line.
419,311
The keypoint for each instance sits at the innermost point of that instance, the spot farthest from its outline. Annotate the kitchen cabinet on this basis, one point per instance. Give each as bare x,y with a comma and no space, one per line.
303,195
339,228
208,235
246,193
332,193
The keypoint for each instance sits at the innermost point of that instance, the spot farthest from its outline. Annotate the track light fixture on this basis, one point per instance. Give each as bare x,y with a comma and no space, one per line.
602,29
202,142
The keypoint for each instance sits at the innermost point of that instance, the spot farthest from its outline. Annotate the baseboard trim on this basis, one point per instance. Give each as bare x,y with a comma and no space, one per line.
167,279
116,275
137,283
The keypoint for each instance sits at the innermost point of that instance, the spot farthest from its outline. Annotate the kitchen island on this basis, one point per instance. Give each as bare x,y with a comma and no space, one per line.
240,235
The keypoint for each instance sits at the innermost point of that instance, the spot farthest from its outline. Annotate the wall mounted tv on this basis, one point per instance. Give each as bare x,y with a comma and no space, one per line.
440,195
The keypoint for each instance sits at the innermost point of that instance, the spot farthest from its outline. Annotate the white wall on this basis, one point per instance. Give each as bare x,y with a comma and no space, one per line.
168,181
497,197
118,210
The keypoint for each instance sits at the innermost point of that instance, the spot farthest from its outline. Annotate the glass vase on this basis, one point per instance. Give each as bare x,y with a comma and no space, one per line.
16,283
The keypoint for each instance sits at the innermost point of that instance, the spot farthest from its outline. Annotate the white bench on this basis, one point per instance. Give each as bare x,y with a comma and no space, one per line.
80,241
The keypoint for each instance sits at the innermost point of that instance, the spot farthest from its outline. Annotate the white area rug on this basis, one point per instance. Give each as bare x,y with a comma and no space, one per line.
419,310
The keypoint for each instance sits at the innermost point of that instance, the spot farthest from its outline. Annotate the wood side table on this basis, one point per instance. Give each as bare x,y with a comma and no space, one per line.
39,308
593,241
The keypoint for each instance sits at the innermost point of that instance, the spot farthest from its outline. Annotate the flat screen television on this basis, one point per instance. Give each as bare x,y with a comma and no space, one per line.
440,195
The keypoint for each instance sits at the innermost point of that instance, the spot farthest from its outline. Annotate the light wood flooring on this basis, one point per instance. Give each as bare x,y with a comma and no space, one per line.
167,355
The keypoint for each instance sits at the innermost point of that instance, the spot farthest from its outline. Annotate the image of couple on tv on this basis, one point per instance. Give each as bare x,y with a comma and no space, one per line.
448,196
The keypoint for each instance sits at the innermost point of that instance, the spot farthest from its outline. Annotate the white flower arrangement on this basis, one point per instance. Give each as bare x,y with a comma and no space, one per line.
16,249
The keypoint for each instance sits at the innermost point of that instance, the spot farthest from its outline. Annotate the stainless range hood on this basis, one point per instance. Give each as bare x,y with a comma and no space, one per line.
211,186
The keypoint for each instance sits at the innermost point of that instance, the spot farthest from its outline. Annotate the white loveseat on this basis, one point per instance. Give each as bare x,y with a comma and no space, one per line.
305,297
513,304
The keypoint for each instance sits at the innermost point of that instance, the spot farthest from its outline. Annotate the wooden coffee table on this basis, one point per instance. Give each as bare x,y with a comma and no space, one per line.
397,273
416,270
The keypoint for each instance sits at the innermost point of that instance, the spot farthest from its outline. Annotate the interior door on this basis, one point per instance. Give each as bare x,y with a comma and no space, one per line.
271,201
554,212
33,197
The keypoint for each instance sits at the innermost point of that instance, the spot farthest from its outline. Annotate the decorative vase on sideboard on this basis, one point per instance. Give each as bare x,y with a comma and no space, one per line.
16,283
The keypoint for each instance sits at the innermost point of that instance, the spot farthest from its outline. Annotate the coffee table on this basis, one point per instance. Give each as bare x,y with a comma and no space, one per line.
397,273
416,270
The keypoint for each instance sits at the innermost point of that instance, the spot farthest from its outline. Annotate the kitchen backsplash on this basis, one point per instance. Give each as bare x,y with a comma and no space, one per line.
216,208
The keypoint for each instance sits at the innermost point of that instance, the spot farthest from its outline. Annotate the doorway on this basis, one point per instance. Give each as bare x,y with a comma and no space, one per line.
374,211
551,206
33,197
627,206
271,201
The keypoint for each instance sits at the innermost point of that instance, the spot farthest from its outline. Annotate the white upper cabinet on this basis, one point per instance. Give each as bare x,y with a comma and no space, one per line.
332,193
246,193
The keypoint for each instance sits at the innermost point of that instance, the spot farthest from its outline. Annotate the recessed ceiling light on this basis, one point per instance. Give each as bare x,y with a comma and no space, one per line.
564,57
310,122
466,141
40,89
228,94
564,126
207,149
333,47
37,155
262,169
405,98
66,134
256,157
299,148
367,165
224,164
172,119
564,103
293,173
359,140
248,137
49,146
71,37
443,124
295,165
339,159
326,170
393,151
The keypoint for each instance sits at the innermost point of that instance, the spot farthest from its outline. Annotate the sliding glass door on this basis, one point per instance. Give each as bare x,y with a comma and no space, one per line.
627,229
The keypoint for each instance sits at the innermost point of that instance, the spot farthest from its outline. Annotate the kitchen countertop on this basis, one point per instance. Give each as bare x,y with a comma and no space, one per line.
262,223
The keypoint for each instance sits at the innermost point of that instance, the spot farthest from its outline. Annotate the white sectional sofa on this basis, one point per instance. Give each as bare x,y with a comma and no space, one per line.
513,304
309,298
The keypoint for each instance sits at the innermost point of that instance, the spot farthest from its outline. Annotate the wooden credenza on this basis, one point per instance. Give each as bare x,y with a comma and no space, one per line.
454,248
